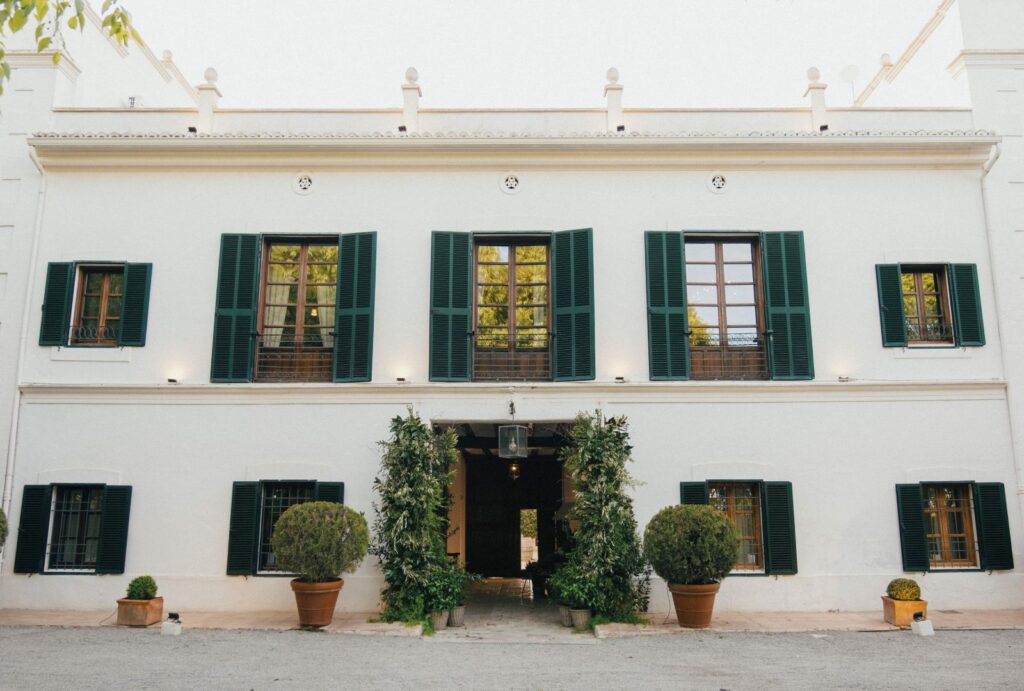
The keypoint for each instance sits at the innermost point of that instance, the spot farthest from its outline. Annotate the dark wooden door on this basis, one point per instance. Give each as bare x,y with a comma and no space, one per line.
492,526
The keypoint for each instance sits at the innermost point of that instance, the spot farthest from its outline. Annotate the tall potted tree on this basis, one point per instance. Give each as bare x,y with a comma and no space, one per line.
319,540
692,548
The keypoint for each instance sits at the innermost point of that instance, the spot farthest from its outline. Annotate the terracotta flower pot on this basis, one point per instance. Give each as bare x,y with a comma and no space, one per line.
316,601
439,619
580,618
139,612
694,604
457,616
563,611
901,612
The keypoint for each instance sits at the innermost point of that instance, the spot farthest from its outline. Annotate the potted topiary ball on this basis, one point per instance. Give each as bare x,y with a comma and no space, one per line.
691,547
319,540
462,578
902,601
140,606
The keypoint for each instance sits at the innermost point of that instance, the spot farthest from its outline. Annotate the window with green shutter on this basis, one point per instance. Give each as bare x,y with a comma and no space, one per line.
929,305
954,526
353,331
73,528
787,309
667,323
96,304
763,515
572,277
234,325
451,261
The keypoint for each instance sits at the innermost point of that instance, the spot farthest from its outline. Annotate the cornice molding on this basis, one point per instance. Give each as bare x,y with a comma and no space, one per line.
1010,58
607,392
950,149
30,59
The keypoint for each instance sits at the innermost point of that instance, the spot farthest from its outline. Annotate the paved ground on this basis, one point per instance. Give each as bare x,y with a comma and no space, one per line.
104,658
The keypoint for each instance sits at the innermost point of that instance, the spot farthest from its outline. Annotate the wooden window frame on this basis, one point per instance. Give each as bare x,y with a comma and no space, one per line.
967,510
729,487
720,285
511,242
304,243
942,283
53,540
82,274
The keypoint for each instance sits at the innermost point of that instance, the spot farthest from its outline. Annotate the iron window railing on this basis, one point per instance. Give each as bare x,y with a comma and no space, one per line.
741,356
285,358
929,333
74,542
498,356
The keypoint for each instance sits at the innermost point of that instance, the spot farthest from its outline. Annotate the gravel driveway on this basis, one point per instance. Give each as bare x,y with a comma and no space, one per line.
107,657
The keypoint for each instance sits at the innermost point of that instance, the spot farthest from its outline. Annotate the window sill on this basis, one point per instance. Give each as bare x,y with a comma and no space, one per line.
746,574
67,572
938,352
91,354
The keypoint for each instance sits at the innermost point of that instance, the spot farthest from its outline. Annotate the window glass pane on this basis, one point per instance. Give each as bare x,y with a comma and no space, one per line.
318,295
284,273
928,282
741,294
739,273
531,253
279,316
931,306
910,306
703,316
489,295
91,307
116,283
909,286
531,338
707,295
532,295
493,273
741,315
284,253
322,253
492,338
492,253
282,295
700,252
319,316
114,308
531,316
701,273
704,337
742,336
736,251
321,273
93,282
492,316
532,273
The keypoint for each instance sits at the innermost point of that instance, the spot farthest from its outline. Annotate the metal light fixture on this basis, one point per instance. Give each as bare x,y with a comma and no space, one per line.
512,441
513,471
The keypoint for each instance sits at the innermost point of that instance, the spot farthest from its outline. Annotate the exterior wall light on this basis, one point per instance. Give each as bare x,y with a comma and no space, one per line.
513,441
844,378
513,471
620,380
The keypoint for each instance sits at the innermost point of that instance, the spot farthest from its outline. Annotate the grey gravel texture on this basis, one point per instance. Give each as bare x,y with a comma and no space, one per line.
114,658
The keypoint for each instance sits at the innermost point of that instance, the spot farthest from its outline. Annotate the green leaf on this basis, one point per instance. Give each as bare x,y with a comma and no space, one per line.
73,22
17,21
44,43
56,57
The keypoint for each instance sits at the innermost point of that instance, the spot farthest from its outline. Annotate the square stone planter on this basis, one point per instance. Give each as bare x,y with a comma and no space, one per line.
139,612
901,612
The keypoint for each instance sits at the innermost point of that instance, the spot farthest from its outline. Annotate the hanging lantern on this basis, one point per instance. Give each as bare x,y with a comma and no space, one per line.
512,441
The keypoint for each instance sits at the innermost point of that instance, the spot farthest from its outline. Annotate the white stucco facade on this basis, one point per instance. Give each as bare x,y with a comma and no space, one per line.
881,186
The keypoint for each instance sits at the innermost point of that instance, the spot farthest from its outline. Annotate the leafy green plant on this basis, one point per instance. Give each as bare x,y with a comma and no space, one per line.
903,589
409,527
141,588
3,528
606,570
444,587
692,544
320,540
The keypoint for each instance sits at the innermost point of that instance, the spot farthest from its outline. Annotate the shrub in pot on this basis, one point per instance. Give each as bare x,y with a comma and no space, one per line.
140,606
457,614
902,600
443,592
319,540
692,548
578,592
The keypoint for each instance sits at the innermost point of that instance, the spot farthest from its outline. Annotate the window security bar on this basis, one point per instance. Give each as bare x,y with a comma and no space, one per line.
501,356
738,356
281,357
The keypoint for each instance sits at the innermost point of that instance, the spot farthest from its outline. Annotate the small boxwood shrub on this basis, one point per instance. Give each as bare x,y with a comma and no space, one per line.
141,588
903,589
320,540
692,544
3,528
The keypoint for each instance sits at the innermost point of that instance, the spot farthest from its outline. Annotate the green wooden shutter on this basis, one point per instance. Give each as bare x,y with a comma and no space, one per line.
353,328
243,532
913,540
30,554
667,324
451,279
57,296
790,355
966,301
330,491
135,304
693,493
890,305
113,542
234,327
993,526
573,314
779,528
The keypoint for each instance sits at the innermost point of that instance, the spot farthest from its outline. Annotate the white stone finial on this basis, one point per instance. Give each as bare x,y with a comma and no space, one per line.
613,75
814,75
412,75
168,56
210,75
816,90
885,60
411,93
613,93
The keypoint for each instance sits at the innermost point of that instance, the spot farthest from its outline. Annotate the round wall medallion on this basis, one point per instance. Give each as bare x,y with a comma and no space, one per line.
717,183
303,183
510,183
